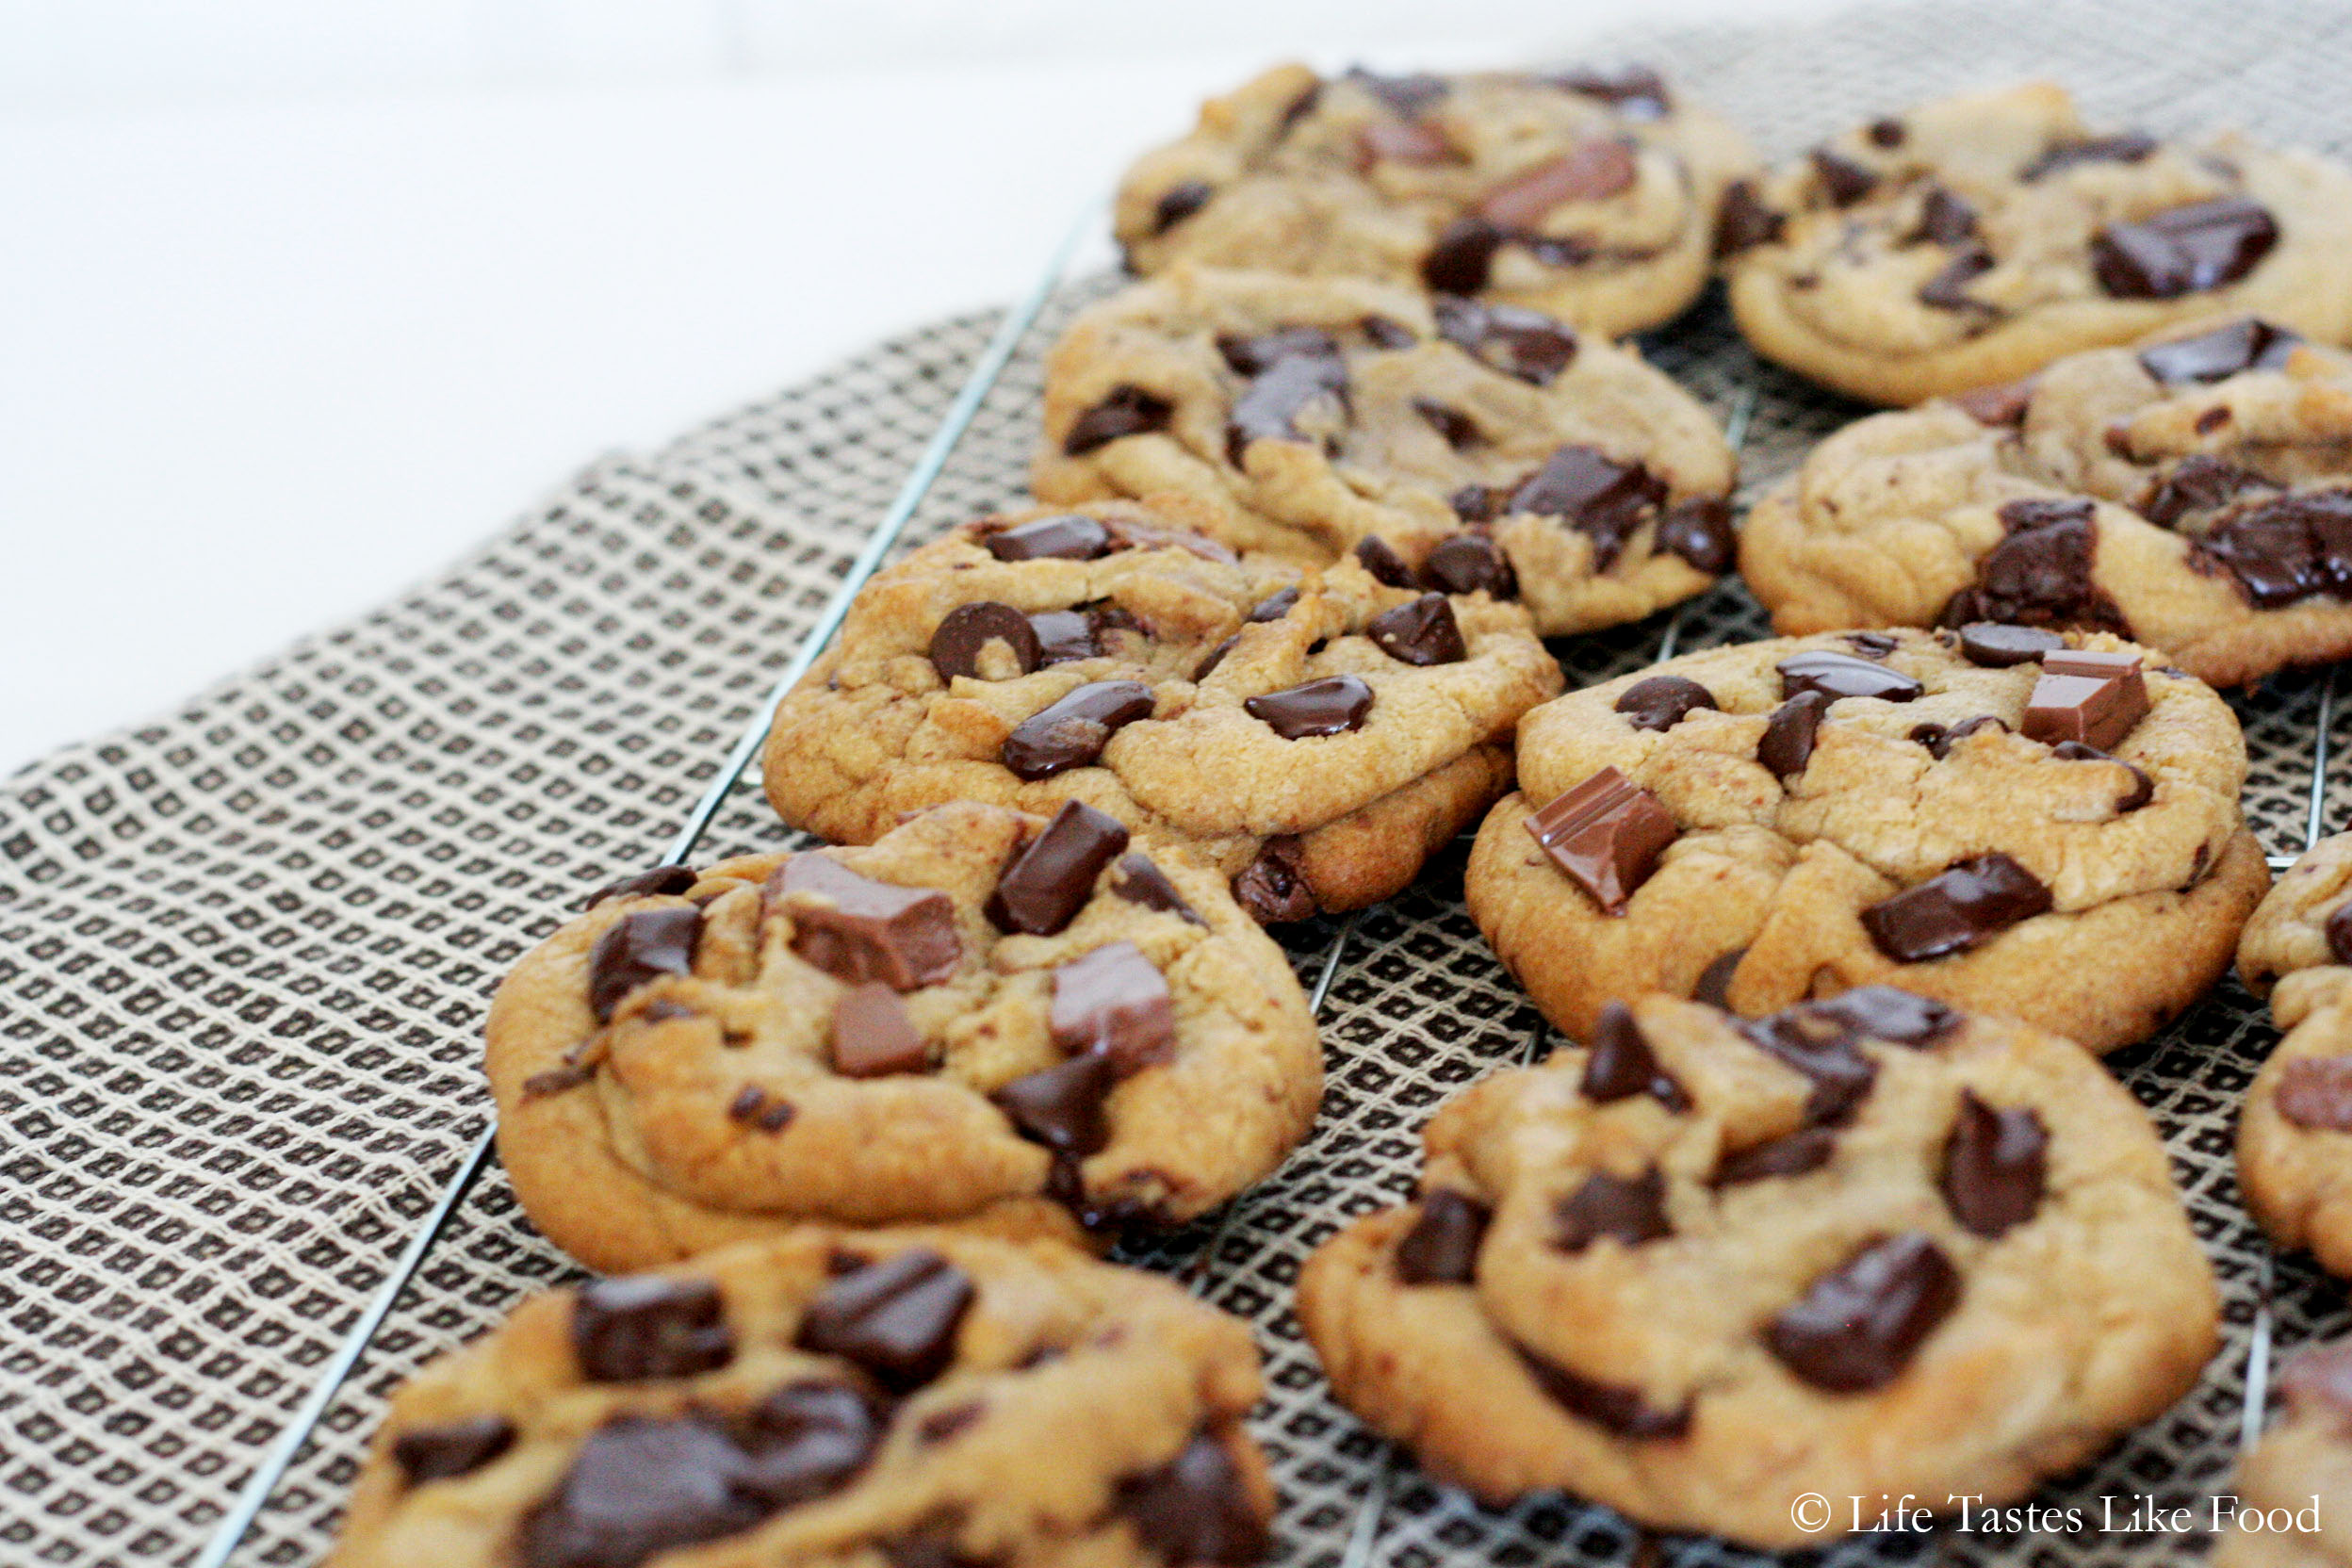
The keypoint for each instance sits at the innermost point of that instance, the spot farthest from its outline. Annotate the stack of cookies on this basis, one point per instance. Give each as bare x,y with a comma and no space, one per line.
1829,1191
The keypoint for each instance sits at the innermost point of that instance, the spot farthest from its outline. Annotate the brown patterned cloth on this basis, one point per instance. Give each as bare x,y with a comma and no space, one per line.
244,951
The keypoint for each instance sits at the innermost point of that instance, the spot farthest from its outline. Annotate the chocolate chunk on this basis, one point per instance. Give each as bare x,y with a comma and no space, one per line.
866,930
1516,341
1636,92
1044,886
1786,745
2315,1093
1713,986
1589,172
1331,705
1948,288
1274,605
872,1036
2185,250
1253,356
2317,1383
1061,1106
1606,835
1457,428
2339,929
1461,257
1271,887
1441,1248
1420,631
1062,635
1180,201
1071,733
2250,344
1663,701
1382,333
1698,528
1470,563
806,1440
1790,1154
1962,908
1475,503
1940,740
1404,95
1215,657
897,1318
1886,133
1997,646
969,627
1622,1063
1128,411
1386,566
1844,181
1744,221
641,946
1632,1210
1195,1509
1888,1013
1115,1002
1069,538
1859,1326
1609,1406
2143,789
1139,881
2095,698
2198,483
1840,675
452,1448
2124,147
638,1489
1289,369
2003,404
642,1325
2284,549
1402,142
2040,574
1821,1045
659,882
1873,645
1599,496
1994,1164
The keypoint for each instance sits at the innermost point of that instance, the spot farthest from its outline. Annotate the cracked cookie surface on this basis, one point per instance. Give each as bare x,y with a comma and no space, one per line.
983,1018
1486,447
1705,1266
861,1398
1937,810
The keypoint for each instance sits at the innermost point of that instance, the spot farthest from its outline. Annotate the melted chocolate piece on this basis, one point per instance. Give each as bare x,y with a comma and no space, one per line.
2315,1093
657,882
1461,257
1958,910
1713,986
1589,172
1451,423
1699,530
1744,221
1599,496
806,1440
1873,645
1139,881
2184,250
1889,1013
1180,201
1071,733
1420,632
1636,92
1606,835
2143,788
969,627
2198,483
1821,1045
1997,648
872,1036
1945,218
1271,887
452,1448
1663,701
2123,147
1844,181
1215,657
641,946
2040,574
1786,743
1252,357
2339,930
1995,1164
1387,568
1332,706
1470,563
1196,1509
1044,886
2250,344
1841,674
897,1318
1268,405
1622,1063
867,930
1609,1406
1441,1248
1632,1210
2284,549
2094,698
1067,538
1517,341
1790,1154
1115,1002
1860,1324
1948,288
639,1488
1128,411
1062,636
642,1325
1274,606
1061,1106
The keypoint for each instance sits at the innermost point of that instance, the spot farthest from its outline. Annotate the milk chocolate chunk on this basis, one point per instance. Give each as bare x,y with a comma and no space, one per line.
2138,793
1945,218
1420,631
1180,201
1071,733
897,1318
806,1440
1786,745
1663,701
1744,221
964,630
1623,1064
1044,886
1272,887
1069,538
1844,181
660,881
1331,705
1458,429
857,929
1612,1407
2339,929
1441,1248
1195,1509
1860,1324
1790,1154
2315,1093
1402,142
1274,606
1606,835
1600,497
1386,566
2095,698
1139,881
2184,250
2122,147
1061,1106
1948,288
1115,1002
1630,1209
640,1488
1589,172
1698,528
643,1326
1995,1165
2040,574
2284,549
1962,908
1461,257
641,946
1469,563
1841,674
452,1449
2250,344
1636,92
1997,646
872,1036
1128,411
1514,340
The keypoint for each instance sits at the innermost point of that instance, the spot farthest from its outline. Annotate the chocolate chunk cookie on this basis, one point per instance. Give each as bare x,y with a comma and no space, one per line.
985,1017
1970,241
1703,1266
1472,448
1588,195
1994,816
831,1396
2297,1480
2194,493
1312,734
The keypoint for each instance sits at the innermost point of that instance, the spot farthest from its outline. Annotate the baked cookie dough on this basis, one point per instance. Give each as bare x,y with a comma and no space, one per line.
1588,195
1862,1246
1996,817
902,1397
1312,734
1478,447
985,1017
2194,493
2293,1491
1972,240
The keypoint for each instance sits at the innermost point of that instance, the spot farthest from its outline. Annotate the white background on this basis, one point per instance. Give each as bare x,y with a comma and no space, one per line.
300,298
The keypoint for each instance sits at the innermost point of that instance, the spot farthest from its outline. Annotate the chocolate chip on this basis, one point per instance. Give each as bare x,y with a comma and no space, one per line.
2198,483
1402,142
1840,675
1272,887
2315,1093
1790,1154
1461,257
2124,147
1069,538
2040,574
1288,368
1663,701
1997,648
1713,986
897,1318
659,882
1873,645
2143,789
1940,740
1128,411
1859,1326
1441,1248
2339,929
806,1440
1844,181
1215,657
1139,881
1599,496
1994,1164
1636,92
1589,172
2284,549
1420,632
1387,568
638,1489
1744,221
1470,563
2184,250
641,946
2250,344
1071,733
1630,1209
1888,1013
1180,201
1962,908
1516,341
1195,1509
644,1326
1044,886
1786,745
1606,835
969,627
1061,1106
1332,705
1115,1002
857,929
452,1448
2003,404
1821,1045
872,1036
1382,333
1886,133
1622,1063
1609,1406
2095,698
1948,288
1698,528
1458,429
1274,606
1475,503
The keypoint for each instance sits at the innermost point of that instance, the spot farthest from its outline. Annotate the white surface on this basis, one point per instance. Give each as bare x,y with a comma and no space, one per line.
298,301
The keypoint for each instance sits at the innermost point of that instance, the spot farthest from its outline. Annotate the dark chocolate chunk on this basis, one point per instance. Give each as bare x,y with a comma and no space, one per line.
1841,674
1463,256
2250,344
1609,1406
1274,605
1382,333
1786,745
1940,740
1662,701
1470,563
1180,201
1713,986
1888,1013
1632,1210
2185,250
638,1489
1598,496
1271,887
806,1440
1744,221
641,946
1607,835
2095,699
2143,789
897,1318
1063,635
1994,1166
1387,568
1253,356
1128,411
1477,503
2004,403
2315,1093
1948,288
1295,367
1457,426
1589,172
2123,147
857,929
1067,538
1061,1106
1790,1154
452,1448
1215,657
1330,706
1441,1248
2339,929
1622,1063
1636,92
964,630
1962,908
1873,645
642,1325
661,881
1115,1002
1137,880
2198,483
1698,528
2040,574
1420,631
1517,341
1886,133
1045,885
1821,1045
1196,1509
2284,549
1072,732
1844,181
1997,646
874,1036
1860,1324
